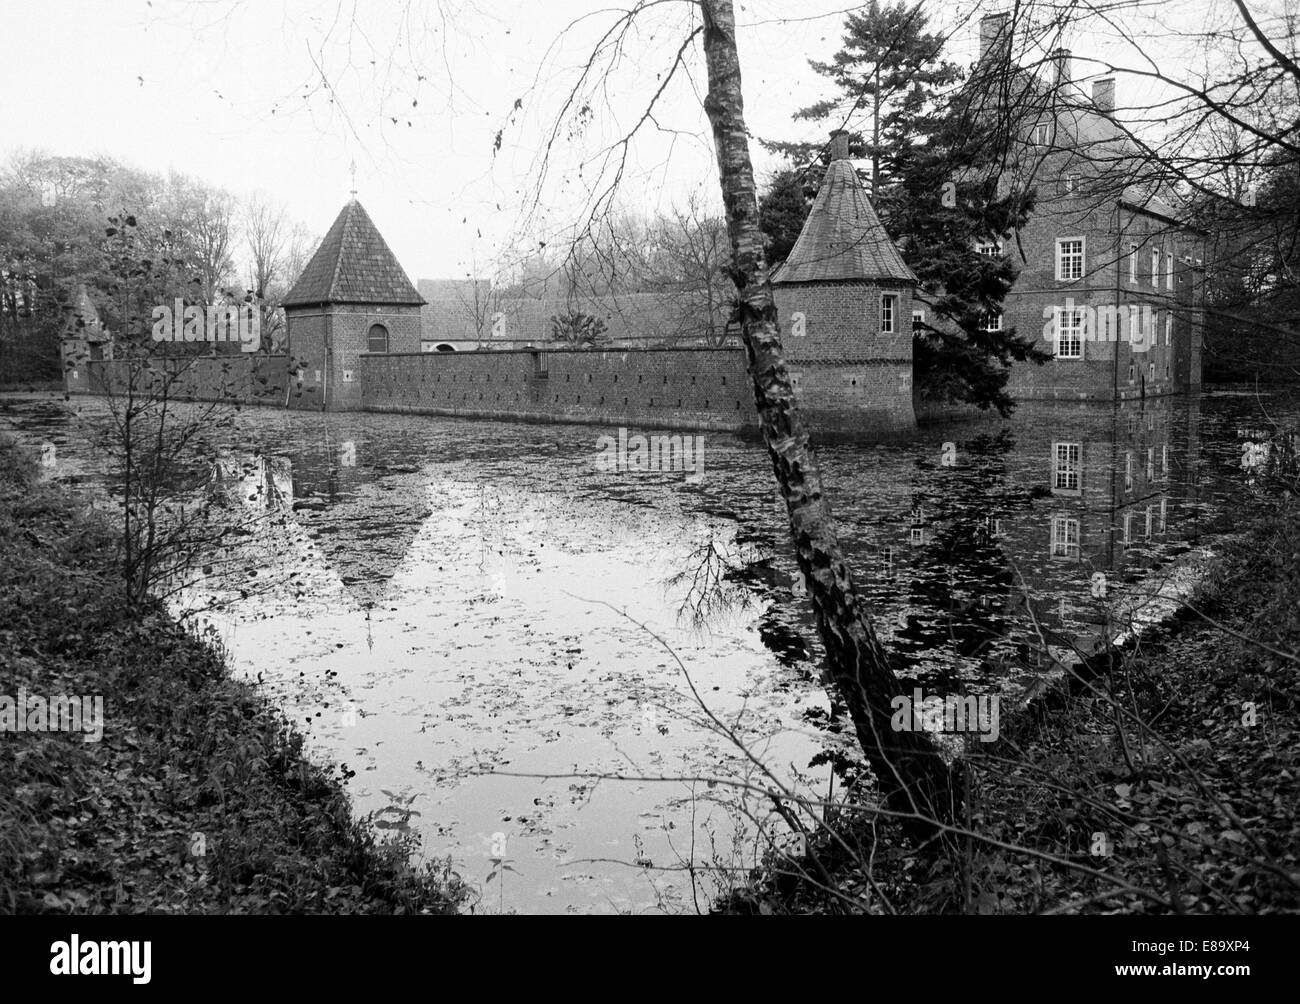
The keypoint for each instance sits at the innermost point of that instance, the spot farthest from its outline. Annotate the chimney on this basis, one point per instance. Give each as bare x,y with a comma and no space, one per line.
993,34
839,145
1061,57
1103,94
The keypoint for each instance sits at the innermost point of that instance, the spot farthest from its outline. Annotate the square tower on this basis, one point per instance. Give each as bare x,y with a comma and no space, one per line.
352,298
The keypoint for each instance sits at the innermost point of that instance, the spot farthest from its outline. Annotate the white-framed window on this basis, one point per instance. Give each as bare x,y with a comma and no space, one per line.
1164,513
1065,537
888,312
1151,463
1128,528
1066,466
1069,258
1169,270
1128,470
1042,134
991,321
1169,326
1150,521
1151,371
1069,332
918,318
1155,268
1130,372
1133,264
1164,462
990,249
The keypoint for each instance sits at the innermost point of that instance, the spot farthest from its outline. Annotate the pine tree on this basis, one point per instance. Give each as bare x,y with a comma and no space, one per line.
887,72
963,254
782,210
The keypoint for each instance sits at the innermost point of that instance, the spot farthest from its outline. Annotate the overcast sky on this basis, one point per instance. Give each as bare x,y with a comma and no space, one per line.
236,94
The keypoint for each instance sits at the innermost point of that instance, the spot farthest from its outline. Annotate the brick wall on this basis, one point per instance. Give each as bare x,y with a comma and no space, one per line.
684,388
341,335
849,373
243,379
1104,372
669,388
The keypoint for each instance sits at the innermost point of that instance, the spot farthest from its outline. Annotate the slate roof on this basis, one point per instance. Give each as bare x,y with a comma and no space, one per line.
843,238
353,265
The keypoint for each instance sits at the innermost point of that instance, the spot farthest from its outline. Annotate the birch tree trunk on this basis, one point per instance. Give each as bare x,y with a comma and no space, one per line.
911,774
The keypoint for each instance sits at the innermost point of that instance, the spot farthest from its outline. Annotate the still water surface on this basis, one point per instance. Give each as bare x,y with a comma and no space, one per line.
521,654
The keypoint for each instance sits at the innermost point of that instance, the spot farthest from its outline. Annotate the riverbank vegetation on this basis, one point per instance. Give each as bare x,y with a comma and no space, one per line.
199,797
1165,779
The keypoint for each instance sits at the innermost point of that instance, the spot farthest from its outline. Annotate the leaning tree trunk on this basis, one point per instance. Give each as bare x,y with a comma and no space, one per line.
911,773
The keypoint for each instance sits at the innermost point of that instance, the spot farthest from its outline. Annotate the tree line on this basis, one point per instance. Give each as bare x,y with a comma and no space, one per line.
64,226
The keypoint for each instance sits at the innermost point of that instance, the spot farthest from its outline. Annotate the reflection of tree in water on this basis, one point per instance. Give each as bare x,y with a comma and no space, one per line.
962,585
257,481
714,578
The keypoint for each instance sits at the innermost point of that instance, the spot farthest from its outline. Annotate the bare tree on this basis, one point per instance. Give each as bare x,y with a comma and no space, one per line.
266,236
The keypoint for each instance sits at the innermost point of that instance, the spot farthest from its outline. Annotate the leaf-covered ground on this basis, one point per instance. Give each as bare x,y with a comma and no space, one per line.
1169,783
199,797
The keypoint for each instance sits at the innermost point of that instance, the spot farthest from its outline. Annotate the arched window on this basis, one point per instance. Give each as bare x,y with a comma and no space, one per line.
377,341
444,347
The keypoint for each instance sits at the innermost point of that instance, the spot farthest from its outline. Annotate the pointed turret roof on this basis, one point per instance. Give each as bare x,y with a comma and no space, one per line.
353,265
843,238
83,321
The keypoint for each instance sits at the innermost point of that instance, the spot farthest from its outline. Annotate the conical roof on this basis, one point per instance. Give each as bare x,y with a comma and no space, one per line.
353,265
843,238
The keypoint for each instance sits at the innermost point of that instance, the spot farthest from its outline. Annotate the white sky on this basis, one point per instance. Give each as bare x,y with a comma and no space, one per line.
215,88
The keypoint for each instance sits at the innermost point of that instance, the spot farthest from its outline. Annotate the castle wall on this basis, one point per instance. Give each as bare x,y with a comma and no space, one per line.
670,388
242,379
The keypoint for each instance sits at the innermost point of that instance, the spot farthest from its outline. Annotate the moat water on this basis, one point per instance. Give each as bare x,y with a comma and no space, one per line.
519,652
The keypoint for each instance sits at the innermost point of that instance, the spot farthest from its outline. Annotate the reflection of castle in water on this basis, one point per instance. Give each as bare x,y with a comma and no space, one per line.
1051,536
1046,533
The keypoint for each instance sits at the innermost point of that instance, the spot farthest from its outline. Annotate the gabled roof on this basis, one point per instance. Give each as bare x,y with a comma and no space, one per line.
353,265
843,238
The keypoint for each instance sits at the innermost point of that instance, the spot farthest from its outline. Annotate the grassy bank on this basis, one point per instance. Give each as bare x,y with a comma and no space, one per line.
1169,783
198,798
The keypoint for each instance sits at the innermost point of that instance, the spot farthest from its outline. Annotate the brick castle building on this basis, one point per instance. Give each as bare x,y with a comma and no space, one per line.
1111,277
1111,281
353,297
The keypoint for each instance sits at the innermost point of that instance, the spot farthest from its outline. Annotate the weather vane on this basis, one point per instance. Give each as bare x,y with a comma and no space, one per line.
354,178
